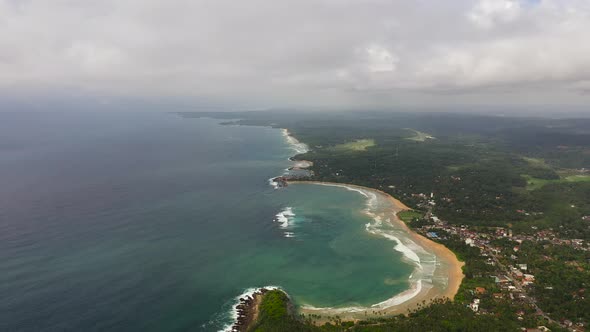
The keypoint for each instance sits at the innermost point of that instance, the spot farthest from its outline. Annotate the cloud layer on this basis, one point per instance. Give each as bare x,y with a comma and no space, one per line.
306,53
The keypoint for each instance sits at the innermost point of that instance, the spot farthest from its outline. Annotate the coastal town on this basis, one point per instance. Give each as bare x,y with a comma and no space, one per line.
506,275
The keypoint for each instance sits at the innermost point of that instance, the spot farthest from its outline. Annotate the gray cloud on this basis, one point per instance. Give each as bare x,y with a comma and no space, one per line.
306,53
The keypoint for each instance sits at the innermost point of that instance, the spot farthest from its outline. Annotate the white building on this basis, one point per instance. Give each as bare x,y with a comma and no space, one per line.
475,305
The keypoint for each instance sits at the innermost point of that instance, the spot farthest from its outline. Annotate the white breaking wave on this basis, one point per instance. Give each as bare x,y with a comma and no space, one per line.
294,143
402,248
289,212
299,148
371,196
420,280
335,310
375,228
414,290
286,219
273,183
425,263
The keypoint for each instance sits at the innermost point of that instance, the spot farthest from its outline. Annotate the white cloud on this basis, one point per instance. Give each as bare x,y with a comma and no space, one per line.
380,59
304,52
93,58
487,13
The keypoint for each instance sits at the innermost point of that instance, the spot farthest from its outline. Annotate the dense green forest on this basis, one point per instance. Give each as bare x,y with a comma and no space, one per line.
275,314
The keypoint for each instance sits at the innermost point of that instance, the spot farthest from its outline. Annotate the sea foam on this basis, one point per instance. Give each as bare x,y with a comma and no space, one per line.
402,248
285,217
297,146
421,277
424,262
273,183
407,295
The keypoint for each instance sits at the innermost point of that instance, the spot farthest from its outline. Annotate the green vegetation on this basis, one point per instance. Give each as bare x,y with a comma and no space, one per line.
536,162
441,315
562,280
559,206
562,277
273,306
578,178
409,215
275,314
536,183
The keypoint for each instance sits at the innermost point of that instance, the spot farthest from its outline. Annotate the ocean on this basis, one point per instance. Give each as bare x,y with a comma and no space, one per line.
144,221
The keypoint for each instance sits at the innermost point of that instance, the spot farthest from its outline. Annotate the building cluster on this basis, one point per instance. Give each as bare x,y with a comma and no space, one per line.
426,201
481,239
512,277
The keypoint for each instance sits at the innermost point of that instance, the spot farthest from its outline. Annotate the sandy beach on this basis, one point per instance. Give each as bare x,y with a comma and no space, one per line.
446,278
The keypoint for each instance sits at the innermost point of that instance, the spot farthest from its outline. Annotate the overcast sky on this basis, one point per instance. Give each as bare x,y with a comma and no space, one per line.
300,53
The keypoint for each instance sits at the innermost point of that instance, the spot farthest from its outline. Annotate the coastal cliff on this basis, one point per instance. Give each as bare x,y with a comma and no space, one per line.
247,311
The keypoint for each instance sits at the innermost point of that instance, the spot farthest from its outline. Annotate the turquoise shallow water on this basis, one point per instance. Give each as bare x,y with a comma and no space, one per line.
331,260
152,222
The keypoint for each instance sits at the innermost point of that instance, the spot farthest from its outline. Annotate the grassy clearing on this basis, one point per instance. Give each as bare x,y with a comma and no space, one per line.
578,178
536,183
536,162
357,145
409,215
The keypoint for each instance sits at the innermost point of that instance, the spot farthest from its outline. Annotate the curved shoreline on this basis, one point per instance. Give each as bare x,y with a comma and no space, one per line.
448,268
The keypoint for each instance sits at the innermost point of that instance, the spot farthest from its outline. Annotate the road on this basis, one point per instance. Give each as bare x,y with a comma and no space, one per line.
519,287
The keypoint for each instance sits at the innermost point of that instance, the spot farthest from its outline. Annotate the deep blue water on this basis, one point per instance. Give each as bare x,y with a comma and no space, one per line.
153,222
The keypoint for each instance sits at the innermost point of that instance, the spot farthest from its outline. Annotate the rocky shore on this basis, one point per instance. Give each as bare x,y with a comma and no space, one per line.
247,310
